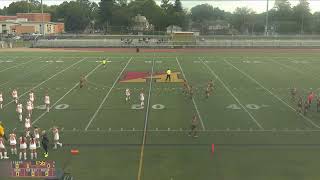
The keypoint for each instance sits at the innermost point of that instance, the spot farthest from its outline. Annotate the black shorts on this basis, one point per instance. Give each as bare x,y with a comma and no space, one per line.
193,127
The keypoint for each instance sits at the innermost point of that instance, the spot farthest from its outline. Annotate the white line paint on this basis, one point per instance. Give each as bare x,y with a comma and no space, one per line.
25,75
17,65
107,95
193,101
254,80
47,80
230,92
77,84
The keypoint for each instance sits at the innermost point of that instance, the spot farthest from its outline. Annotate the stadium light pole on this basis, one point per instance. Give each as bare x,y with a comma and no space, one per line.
267,19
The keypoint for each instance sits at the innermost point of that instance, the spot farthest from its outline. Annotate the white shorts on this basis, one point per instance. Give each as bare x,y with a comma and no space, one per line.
47,102
27,125
13,143
31,99
23,146
15,97
2,146
37,136
128,94
20,111
33,147
1,100
141,99
29,108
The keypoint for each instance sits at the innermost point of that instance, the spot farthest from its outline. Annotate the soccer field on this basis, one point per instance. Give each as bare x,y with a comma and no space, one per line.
250,117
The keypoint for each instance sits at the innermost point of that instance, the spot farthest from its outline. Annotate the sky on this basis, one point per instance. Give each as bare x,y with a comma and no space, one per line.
227,5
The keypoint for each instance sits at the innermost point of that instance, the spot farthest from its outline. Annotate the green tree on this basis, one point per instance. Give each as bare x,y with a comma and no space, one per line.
243,19
303,16
178,6
77,15
106,8
201,13
316,22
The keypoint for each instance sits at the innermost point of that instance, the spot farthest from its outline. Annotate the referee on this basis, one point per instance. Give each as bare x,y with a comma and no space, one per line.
45,143
168,75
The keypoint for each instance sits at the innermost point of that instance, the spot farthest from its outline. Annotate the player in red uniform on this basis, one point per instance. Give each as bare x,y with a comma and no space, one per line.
310,98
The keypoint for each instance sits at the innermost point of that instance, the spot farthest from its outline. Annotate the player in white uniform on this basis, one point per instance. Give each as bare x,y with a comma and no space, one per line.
19,110
31,96
128,94
33,148
36,133
142,99
29,108
47,102
13,143
1,100
3,151
15,95
56,137
23,148
27,125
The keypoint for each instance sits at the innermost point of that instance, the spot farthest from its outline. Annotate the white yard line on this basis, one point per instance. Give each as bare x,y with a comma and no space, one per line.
46,80
76,85
288,67
193,101
27,74
277,97
107,95
16,65
144,137
186,130
230,92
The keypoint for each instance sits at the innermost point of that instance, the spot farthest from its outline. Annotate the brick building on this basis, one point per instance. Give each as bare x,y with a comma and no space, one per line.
28,23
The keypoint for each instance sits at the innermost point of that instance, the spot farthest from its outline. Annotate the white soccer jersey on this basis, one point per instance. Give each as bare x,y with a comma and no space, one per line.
19,108
1,98
128,92
14,93
141,97
23,143
47,99
31,97
27,124
12,139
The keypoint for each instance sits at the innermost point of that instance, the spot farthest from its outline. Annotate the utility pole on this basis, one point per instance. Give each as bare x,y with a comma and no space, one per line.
42,19
267,20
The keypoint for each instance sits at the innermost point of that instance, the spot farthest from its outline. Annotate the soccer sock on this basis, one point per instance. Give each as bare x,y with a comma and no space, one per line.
35,155
1,106
12,151
15,151
48,108
126,98
20,117
55,145
60,144
38,143
5,155
25,156
31,154
20,155
1,156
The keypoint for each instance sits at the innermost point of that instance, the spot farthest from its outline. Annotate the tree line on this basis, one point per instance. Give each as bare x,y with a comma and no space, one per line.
116,16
